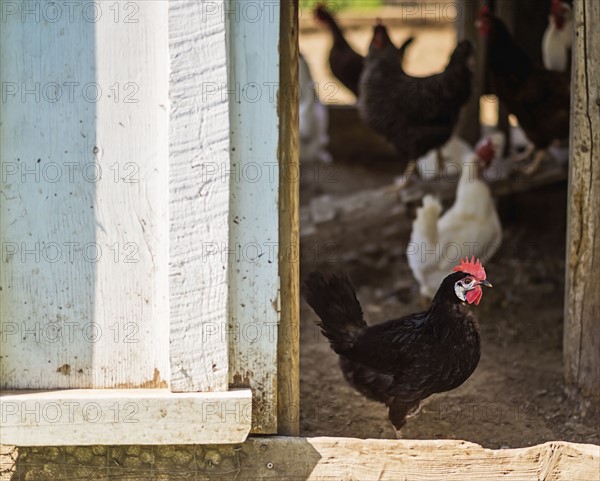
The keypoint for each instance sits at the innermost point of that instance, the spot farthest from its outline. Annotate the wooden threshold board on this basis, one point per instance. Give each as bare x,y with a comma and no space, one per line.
85,417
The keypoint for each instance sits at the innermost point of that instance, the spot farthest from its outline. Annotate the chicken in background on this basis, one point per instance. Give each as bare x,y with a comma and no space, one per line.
415,114
314,118
558,37
345,64
403,361
470,227
539,98
453,154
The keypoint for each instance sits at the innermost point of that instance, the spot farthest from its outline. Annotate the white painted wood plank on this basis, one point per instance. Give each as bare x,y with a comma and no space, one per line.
83,216
199,203
253,90
124,416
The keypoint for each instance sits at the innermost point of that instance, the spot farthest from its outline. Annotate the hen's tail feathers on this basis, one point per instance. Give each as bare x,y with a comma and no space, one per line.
403,47
335,302
427,218
323,15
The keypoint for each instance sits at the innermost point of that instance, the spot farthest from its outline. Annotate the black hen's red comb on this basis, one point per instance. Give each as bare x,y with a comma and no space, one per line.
471,267
486,151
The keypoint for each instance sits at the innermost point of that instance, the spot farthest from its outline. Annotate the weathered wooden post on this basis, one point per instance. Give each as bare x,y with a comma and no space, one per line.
469,127
582,299
288,348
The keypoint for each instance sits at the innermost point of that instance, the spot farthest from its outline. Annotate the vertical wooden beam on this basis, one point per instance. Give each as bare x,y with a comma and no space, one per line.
505,10
83,195
582,302
531,20
288,348
254,298
469,126
199,197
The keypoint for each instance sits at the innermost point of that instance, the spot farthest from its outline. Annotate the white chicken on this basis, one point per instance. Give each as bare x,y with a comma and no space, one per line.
558,37
453,154
314,119
470,227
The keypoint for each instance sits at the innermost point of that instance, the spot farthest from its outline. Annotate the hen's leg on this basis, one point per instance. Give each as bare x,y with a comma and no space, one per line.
399,411
439,161
525,155
403,181
535,164
412,412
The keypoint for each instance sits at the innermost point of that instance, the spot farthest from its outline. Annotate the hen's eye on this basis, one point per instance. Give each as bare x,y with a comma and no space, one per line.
468,281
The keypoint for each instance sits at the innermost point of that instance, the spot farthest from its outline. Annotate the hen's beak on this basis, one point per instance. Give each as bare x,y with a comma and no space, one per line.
485,283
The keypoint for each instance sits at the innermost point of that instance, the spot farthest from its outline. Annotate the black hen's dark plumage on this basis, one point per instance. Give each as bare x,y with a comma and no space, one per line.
345,63
402,361
416,114
539,98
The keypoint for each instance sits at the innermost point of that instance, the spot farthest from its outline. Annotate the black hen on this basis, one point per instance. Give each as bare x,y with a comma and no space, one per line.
403,361
345,63
539,98
416,114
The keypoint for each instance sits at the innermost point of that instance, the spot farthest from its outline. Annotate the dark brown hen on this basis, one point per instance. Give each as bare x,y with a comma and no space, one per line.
539,98
403,361
415,114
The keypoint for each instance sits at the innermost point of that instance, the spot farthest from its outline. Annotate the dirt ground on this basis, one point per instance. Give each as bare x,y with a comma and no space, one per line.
516,396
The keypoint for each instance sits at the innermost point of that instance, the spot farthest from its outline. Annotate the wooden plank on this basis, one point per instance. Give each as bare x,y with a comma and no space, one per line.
254,303
84,417
582,303
199,198
83,148
314,459
311,459
332,459
288,347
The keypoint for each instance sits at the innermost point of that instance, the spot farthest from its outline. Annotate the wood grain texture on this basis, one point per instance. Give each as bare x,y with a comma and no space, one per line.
254,302
333,459
582,302
199,198
288,349
307,459
84,417
83,149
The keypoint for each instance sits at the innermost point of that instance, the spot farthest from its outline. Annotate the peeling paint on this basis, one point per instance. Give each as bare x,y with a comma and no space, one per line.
155,383
64,369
